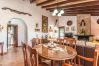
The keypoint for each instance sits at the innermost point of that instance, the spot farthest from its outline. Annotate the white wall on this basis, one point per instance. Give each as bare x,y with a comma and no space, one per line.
24,6
63,22
94,26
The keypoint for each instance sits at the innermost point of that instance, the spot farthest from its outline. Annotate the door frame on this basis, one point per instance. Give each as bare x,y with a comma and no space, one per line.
61,28
16,45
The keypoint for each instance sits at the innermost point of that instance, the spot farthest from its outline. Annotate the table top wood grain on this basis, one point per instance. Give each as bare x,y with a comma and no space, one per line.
64,53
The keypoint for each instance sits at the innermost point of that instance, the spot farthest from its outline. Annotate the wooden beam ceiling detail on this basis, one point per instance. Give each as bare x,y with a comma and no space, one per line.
54,3
40,2
71,14
71,7
76,4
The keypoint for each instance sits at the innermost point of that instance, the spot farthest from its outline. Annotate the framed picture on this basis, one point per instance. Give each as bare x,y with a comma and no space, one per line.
44,24
73,28
97,21
67,28
69,23
84,24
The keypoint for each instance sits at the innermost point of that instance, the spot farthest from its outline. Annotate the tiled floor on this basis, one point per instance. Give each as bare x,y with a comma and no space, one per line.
13,58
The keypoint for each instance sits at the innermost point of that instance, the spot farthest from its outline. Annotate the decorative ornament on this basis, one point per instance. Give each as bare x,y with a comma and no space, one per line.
98,21
69,22
16,11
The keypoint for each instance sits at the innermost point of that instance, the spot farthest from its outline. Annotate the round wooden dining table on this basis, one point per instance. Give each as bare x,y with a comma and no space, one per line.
57,53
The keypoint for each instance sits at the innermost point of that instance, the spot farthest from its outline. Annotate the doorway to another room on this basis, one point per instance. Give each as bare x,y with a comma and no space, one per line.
61,32
16,33
12,35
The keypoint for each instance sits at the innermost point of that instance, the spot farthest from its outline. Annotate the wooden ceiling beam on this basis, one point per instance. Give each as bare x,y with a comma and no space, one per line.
90,11
81,12
55,3
52,2
40,2
95,7
70,14
84,7
77,4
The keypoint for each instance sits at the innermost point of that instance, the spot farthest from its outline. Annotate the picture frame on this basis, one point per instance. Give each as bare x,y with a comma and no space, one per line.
44,24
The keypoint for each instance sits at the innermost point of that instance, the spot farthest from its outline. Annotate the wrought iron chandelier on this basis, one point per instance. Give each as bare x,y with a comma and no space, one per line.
58,12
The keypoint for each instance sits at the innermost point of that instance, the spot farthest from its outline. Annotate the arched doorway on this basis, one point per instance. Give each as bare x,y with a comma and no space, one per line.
16,32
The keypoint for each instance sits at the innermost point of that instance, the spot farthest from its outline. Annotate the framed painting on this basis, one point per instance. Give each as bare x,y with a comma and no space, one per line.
44,24
84,24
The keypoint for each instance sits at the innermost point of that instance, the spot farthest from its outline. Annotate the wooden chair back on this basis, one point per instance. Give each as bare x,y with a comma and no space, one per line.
71,42
60,41
93,60
36,41
66,41
33,56
24,48
1,46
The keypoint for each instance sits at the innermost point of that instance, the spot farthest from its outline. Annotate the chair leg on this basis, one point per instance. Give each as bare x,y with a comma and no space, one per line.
52,63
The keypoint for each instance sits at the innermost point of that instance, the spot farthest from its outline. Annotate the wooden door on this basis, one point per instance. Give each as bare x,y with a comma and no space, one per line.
15,36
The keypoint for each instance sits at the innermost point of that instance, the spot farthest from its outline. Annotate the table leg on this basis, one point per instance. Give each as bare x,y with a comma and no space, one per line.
2,50
52,63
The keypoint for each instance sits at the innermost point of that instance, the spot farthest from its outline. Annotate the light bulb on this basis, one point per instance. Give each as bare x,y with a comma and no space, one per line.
53,14
55,11
59,14
62,11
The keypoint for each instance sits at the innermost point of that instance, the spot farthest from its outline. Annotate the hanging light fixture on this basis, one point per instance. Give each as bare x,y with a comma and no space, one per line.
57,11
62,11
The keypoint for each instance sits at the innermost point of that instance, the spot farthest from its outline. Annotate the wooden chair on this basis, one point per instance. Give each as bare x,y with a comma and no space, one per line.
34,58
25,54
60,41
65,41
93,60
36,41
1,46
71,42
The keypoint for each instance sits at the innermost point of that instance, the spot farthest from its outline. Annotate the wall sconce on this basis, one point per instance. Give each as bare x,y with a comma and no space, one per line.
1,27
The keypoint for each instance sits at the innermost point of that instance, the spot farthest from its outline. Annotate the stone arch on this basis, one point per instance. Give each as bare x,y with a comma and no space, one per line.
22,29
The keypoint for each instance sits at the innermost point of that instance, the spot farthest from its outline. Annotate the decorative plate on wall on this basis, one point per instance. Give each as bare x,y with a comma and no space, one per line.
97,21
69,22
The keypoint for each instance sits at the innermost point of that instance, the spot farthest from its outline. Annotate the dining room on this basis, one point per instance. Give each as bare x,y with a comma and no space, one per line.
49,33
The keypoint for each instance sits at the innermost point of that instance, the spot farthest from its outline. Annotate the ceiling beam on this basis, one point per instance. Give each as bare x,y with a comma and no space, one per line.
77,4
71,14
56,3
83,11
40,2
88,10
95,7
